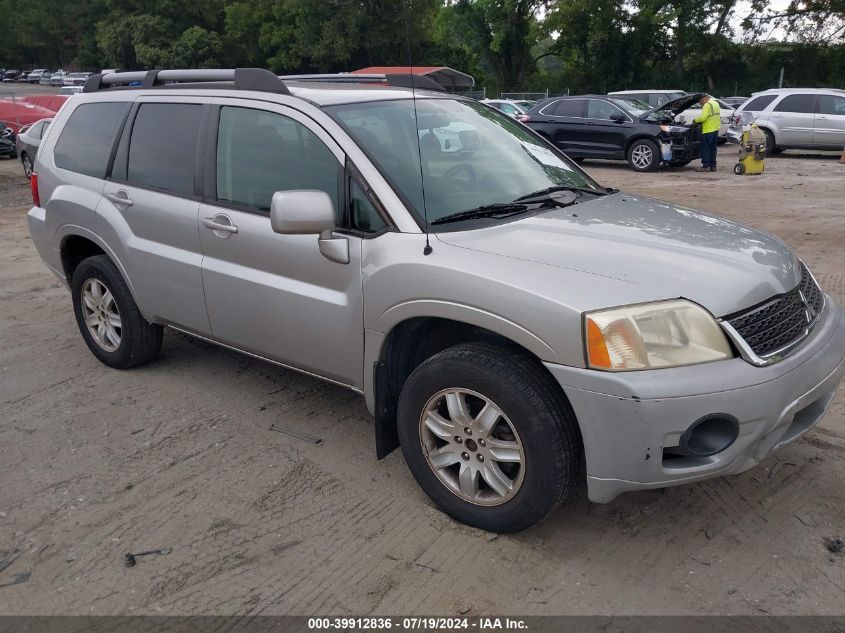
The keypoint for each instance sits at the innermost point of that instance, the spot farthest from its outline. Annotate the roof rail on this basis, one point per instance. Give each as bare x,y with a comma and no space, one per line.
403,80
258,79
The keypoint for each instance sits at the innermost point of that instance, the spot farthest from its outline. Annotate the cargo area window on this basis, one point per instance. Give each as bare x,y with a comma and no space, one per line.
87,138
758,104
163,147
260,153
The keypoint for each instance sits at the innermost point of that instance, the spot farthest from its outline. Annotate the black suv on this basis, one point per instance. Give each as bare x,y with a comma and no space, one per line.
598,126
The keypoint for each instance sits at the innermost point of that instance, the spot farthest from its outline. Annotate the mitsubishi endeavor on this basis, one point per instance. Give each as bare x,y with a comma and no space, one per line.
512,325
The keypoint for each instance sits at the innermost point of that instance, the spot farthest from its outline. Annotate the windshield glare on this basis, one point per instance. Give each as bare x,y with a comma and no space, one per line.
469,155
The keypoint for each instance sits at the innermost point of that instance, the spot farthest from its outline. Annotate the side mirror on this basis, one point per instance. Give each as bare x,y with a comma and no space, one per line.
305,212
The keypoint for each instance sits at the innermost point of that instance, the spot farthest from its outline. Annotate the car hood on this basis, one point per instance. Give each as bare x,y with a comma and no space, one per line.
676,106
672,250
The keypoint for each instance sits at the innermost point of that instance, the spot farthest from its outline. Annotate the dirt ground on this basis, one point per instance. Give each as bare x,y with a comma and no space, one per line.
96,462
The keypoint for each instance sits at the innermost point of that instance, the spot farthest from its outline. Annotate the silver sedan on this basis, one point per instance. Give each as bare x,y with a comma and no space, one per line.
27,142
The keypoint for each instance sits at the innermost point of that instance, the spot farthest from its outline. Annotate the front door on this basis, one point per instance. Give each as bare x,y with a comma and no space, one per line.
604,136
270,294
830,122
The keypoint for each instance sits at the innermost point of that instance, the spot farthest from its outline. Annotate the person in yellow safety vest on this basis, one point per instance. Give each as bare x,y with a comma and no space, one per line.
710,119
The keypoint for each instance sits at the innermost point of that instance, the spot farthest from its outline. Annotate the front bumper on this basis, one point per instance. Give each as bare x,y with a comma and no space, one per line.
627,419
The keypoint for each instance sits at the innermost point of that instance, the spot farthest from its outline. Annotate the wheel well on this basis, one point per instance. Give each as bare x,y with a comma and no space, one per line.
74,250
641,137
407,346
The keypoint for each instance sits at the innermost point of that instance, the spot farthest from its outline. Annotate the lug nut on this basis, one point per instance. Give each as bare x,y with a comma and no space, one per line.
482,442
458,439
465,456
468,431
480,457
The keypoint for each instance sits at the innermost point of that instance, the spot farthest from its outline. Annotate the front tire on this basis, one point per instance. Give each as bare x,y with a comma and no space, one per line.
109,319
644,155
489,436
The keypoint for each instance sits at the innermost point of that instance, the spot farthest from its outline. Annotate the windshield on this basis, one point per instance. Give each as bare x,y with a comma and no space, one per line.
634,106
471,155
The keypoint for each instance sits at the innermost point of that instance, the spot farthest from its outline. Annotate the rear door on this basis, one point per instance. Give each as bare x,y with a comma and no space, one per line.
794,119
829,130
152,200
566,122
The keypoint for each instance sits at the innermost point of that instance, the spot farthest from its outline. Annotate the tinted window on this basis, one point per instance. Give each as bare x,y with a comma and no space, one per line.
86,140
569,107
163,146
830,104
601,110
758,104
260,153
797,103
363,214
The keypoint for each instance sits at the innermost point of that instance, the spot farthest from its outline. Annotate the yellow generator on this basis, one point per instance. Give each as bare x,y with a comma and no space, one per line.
752,151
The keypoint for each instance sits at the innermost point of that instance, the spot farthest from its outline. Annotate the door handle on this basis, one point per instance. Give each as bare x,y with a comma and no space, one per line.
218,227
120,198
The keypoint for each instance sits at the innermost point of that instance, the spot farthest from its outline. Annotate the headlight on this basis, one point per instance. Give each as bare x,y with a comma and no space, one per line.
673,129
653,335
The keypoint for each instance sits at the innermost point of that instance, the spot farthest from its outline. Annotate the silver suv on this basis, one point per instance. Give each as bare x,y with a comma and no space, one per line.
512,325
794,118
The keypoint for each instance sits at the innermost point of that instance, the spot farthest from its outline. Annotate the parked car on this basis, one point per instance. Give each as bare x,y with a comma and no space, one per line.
27,141
795,118
69,91
49,102
36,75
57,78
726,112
506,317
733,102
596,126
75,79
19,112
511,108
11,75
652,97
7,141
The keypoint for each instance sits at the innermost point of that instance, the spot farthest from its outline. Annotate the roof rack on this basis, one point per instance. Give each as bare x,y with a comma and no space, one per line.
258,79
402,80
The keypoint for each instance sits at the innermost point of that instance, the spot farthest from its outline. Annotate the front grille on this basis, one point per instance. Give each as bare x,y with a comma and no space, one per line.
781,321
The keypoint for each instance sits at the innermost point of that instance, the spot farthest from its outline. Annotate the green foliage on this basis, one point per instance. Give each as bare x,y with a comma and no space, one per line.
574,45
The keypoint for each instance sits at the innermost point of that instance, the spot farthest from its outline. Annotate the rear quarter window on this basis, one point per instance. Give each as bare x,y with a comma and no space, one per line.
758,104
86,140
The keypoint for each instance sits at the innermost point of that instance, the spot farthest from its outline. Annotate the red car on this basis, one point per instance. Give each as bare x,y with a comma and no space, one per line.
22,111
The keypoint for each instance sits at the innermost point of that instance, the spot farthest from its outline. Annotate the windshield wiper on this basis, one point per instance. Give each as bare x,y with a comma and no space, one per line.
543,193
497,210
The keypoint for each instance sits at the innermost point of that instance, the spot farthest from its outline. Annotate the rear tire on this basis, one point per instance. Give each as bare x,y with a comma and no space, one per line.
108,317
771,146
644,155
27,164
529,418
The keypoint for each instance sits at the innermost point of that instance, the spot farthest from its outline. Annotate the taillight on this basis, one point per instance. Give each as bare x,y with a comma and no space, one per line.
33,182
523,118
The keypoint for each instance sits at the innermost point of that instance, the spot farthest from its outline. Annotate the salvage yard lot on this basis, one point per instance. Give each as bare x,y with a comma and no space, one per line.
96,462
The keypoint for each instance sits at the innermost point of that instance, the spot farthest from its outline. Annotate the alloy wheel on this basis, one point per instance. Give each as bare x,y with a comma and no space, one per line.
101,315
642,156
27,166
472,447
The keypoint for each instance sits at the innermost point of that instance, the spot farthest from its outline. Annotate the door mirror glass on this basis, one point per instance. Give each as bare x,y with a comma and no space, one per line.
302,212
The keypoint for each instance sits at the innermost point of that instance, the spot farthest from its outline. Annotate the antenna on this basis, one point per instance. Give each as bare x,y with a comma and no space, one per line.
427,250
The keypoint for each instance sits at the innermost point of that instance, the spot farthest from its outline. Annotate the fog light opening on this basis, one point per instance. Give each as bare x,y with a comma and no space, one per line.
710,435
